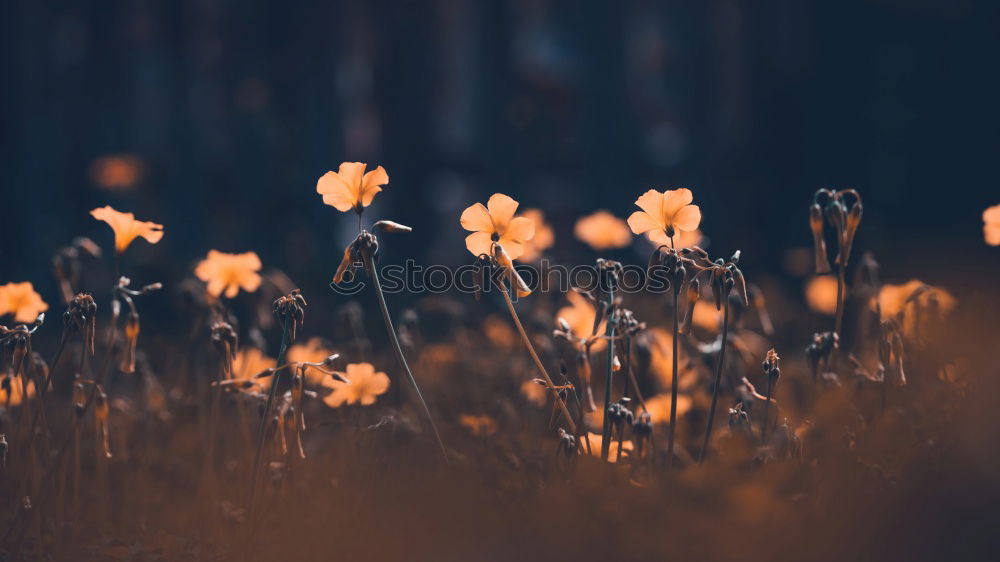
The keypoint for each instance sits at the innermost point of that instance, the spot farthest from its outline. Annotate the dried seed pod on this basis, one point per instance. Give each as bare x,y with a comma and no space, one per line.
390,226
131,341
101,415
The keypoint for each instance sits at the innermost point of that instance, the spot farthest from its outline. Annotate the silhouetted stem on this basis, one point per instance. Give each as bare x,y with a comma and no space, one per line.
370,266
673,387
610,333
538,362
718,378
262,427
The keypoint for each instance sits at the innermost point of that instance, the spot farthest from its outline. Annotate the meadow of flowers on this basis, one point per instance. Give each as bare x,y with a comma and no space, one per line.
693,417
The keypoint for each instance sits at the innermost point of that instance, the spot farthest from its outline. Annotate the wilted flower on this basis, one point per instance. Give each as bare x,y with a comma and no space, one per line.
127,228
495,222
821,294
991,225
543,238
21,300
365,386
667,212
602,231
350,187
229,272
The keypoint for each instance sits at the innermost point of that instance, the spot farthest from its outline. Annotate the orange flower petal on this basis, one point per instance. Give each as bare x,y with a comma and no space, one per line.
371,184
502,209
479,243
477,219
687,218
520,229
513,247
335,191
652,203
674,200
640,222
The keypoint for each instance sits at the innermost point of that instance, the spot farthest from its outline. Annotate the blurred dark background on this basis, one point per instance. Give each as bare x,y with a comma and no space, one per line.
216,118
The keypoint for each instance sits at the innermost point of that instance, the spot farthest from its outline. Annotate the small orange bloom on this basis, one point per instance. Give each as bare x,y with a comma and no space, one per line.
543,238
668,212
350,187
117,172
16,394
595,446
659,407
495,222
480,426
580,316
21,300
991,225
602,231
251,361
365,386
821,294
313,351
126,228
229,272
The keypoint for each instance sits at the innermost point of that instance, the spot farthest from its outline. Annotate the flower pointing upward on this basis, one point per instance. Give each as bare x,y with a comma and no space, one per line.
495,222
126,228
350,187
665,212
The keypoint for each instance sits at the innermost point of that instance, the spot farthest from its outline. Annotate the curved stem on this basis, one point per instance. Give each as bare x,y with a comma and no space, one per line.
673,388
610,333
538,362
370,267
718,378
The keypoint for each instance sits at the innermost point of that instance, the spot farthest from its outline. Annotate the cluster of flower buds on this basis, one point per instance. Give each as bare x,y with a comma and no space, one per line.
619,413
739,419
363,248
844,221
81,316
291,309
628,325
820,351
771,367
667,264
18,340
566,445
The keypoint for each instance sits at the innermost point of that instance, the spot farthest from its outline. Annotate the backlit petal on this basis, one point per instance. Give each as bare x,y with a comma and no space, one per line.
641,222
520,229
371,184
688,218
513,247
477,219
652,203
335,191
352,174
502,209
479,243
674,200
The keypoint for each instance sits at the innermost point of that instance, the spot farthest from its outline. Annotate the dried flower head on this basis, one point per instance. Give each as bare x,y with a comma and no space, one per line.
81,316
291,308
127,228
21,300
228,273
495,222
350,187
666,212
364,387
602,231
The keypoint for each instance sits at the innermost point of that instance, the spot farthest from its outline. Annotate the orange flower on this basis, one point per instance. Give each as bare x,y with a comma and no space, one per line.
365,386
496,223
659,407
668,212
229,272
21,300
595,446
894,300
350,187
126,228
821,294
681,239
991,225
313,351
117,172
16,393
602,231
543,238
580,317
480,426
251,361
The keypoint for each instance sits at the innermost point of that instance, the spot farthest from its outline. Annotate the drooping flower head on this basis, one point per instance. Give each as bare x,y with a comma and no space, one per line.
602,231
991,225
495,222
666,212
21,300
350,187
127,228
366,385
229,272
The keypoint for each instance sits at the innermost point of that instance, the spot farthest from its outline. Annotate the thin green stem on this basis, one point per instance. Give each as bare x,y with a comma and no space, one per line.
538,362
370,267
673,386
718,377
610,333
